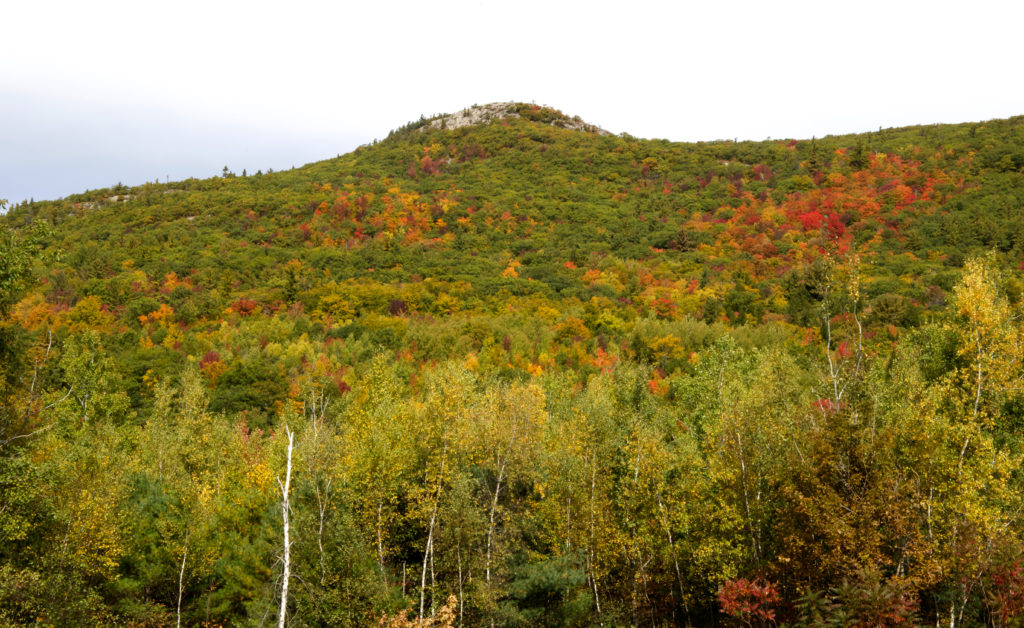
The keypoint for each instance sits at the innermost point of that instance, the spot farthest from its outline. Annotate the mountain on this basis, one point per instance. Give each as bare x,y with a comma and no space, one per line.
522,205
567,376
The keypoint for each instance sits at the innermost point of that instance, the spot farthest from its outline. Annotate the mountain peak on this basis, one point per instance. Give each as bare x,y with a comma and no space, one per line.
482,114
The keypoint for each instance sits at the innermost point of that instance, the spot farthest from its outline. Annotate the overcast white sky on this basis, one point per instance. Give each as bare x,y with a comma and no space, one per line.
96,93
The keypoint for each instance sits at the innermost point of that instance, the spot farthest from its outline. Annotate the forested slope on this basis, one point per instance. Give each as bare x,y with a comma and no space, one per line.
568,377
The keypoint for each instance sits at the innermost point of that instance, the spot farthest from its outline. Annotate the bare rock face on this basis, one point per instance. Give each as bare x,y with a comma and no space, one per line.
482,114
477,114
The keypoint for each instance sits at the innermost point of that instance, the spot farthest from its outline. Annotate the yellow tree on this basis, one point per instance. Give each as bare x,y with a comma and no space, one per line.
181,457
506,435
441,424
991,338
577,508
377,437
979,502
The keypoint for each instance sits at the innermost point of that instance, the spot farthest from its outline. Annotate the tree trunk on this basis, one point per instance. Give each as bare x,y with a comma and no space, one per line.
181,581
426,559
462,598
428,552
755,546
380,547
672,547
322,504
490,525
285,506
592,553
502,462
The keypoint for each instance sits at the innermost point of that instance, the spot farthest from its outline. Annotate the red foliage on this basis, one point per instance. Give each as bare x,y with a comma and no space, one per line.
607,362
1007,591
657,386
749,600
826,405
251,441
429,165
762,172
244,307
664,308
835,226
843,350
810,220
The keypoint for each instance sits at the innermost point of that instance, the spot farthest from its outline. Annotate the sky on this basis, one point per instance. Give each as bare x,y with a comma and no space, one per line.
98,93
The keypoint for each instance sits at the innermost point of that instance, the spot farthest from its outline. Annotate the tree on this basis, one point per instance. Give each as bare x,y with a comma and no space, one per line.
378,451
18,253
286,530
509,431
18,250
447,410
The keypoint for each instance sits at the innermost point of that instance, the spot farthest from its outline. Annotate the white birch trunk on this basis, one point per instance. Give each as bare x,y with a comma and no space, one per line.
429,551
490,525
592,551
181,581
285,507
322,505
380,547
462,598
423,575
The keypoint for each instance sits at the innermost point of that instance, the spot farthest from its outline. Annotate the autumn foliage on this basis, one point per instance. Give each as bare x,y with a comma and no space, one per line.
749,601
536,375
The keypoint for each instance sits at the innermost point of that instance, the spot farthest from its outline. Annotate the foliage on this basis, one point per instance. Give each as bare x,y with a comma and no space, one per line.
537,375
749,601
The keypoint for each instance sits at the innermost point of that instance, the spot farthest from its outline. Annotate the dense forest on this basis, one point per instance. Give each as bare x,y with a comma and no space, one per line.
525,373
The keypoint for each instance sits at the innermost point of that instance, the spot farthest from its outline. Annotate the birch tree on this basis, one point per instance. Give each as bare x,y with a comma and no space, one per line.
508,432
286,529
377,445
442,424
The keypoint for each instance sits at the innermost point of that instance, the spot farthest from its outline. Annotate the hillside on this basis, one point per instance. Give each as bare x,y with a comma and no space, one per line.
569,377
529,208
